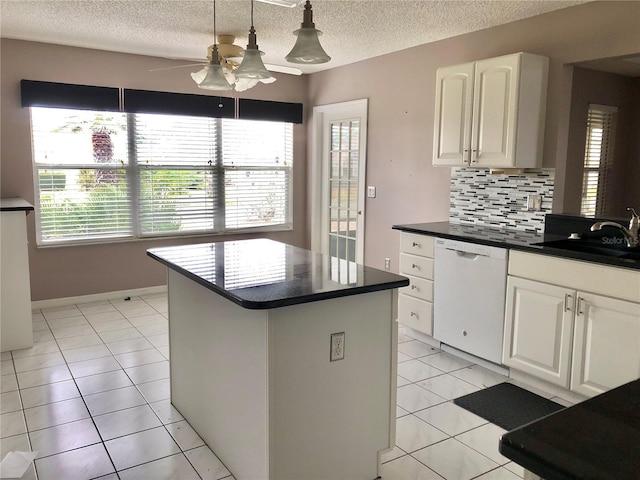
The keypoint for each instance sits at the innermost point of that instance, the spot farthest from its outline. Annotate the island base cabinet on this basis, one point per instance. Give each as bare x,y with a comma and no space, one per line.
538,329
606,351
258,385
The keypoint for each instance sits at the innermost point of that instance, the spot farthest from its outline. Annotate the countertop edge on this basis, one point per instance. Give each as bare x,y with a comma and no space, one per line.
537,249
281,302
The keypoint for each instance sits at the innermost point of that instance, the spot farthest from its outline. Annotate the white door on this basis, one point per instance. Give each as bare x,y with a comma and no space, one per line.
538,328
606,352
494,111
338,176
452,133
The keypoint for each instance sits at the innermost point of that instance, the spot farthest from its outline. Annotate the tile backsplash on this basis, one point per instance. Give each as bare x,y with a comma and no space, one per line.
500,200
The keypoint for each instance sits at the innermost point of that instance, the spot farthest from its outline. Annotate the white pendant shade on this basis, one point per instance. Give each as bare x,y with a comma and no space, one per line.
307,49
252,66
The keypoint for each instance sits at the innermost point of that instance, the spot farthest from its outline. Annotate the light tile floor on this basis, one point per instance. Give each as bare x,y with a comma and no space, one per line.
92,397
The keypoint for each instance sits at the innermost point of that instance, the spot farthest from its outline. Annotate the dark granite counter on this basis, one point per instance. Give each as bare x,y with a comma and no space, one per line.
15,205
514,240
263,274
598,439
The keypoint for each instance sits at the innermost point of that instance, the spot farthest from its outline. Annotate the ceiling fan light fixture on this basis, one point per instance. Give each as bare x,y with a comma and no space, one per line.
252,66
307,49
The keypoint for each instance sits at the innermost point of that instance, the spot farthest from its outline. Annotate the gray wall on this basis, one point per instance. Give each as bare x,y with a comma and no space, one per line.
401,86
58,272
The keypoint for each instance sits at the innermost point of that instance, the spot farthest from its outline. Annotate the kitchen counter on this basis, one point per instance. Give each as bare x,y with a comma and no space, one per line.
598,439
15,204
512,239
257,371
263,274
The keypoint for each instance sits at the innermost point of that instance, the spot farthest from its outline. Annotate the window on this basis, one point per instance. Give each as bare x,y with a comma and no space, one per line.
107,175
598,158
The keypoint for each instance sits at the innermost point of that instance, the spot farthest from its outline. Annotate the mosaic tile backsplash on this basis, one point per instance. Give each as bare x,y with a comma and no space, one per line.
500,200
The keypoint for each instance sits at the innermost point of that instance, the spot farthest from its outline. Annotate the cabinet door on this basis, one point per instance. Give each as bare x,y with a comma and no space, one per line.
452,126
606,352
538,327
494,112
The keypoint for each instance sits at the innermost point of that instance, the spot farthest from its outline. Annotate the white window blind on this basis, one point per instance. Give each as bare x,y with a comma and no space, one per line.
80,161
598,158
114,175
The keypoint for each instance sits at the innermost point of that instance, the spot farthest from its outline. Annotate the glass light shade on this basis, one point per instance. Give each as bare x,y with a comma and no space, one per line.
307,48
215,79
252,66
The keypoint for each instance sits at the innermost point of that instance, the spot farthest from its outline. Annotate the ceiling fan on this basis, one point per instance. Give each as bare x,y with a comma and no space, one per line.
230,57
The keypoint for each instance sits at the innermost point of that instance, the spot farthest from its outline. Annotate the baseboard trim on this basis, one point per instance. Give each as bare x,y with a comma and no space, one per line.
98,297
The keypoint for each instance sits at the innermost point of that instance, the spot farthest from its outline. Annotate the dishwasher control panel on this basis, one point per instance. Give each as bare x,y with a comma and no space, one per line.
471,248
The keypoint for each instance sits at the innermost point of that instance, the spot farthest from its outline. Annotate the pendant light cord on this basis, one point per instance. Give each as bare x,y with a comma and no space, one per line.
252,13
214,22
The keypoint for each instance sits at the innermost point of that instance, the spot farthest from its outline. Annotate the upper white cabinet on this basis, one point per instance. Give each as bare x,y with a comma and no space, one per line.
491,113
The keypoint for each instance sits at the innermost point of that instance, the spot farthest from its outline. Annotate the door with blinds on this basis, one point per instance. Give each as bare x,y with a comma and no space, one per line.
339,175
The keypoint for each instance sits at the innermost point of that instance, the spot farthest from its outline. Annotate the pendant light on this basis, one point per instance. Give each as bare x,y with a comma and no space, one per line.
214,78
307,49
252,66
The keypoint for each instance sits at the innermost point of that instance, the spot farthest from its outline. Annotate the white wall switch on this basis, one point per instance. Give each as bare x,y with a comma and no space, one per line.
371,192
337,346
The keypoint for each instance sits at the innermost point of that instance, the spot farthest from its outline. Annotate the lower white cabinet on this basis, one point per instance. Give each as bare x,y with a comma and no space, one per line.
579,340
538,329
415,301
606,343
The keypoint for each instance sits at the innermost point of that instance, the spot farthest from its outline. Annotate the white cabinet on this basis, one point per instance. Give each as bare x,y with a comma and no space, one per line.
16,329
491,113
588,341
538,329
606,343
415,301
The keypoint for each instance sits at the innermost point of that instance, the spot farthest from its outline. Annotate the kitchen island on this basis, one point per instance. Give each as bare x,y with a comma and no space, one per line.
596,439
256,367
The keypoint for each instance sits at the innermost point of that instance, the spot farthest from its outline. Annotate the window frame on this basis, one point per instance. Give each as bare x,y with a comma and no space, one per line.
133,174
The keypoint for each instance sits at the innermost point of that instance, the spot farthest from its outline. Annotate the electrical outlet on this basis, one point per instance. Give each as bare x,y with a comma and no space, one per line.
534,203
387,263
337,346
371,192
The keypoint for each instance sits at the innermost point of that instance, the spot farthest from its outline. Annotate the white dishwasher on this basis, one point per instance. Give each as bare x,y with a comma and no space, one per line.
469,297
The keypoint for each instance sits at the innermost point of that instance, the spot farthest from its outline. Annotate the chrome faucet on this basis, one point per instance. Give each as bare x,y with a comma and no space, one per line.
630,234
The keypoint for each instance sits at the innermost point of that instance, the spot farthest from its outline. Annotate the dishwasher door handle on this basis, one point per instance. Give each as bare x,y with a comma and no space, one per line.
467,255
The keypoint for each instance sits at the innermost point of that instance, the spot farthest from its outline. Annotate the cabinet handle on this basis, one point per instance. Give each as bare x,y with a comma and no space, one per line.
580,309
414,314
413,287
416,244
413,265
567,298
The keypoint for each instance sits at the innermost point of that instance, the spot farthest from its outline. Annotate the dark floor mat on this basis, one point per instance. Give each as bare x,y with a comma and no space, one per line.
507,405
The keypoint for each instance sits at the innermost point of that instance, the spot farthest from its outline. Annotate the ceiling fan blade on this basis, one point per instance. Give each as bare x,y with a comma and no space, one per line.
283,69
176,66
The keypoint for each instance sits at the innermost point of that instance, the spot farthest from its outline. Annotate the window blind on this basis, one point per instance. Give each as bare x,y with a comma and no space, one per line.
80,161
117,175
598,158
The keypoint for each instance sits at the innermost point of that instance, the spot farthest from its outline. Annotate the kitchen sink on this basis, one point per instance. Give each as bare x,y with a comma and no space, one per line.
594,248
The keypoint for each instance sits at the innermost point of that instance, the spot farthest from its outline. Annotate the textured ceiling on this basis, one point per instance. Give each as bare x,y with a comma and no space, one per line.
354,30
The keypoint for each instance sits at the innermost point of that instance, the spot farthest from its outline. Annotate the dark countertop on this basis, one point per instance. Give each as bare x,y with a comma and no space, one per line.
263,274
598,439
15,205
514,240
